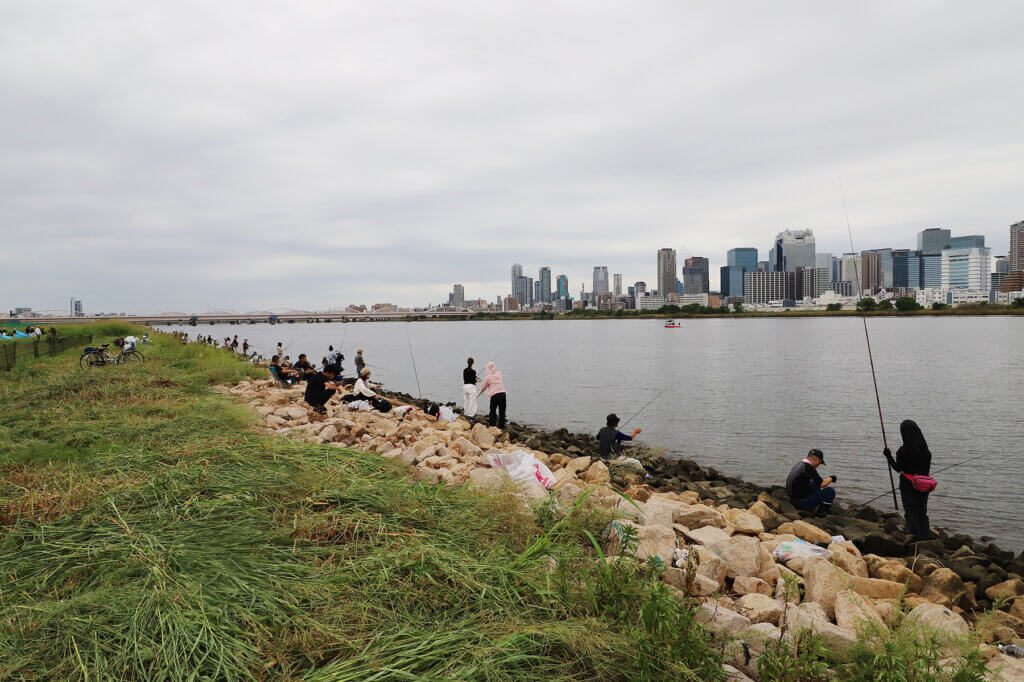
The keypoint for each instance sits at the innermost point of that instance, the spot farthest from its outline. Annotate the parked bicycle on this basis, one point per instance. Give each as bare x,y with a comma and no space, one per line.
99,357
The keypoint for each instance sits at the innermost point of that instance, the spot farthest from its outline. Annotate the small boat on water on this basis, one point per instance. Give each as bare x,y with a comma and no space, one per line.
672,324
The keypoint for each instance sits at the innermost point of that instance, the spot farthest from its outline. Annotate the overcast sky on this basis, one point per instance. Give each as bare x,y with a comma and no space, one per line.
246,155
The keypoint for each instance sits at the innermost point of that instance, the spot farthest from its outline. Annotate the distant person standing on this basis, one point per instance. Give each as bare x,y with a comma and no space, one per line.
469,381
806,488
495,387
913,462
610,439
280,349
245,347
360,362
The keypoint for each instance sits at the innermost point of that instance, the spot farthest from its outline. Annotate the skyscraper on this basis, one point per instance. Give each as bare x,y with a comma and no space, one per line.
792,249
695,275
563,287
972,241
544,277
617,286
459,296
906,269
517,272
538,296
600,279
666,271
745,257
1017,246
738,261
524,291
966,268
932,240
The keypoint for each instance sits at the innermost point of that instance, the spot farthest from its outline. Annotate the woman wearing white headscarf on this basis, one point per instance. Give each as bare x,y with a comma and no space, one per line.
495,387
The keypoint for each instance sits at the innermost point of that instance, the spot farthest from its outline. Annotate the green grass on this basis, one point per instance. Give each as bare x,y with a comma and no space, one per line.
147,532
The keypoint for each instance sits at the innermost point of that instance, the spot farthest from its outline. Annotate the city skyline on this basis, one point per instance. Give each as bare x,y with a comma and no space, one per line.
285,164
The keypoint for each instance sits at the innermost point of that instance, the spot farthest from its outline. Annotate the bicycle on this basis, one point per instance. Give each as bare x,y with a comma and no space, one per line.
99,357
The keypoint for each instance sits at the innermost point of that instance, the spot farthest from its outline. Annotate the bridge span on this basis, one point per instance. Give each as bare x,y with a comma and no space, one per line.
231,318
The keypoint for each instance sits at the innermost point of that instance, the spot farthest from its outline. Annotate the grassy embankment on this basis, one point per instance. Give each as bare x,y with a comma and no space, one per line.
147,532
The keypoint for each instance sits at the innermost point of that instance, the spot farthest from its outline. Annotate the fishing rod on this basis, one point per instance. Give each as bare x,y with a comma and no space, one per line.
413,356
867,339
644,406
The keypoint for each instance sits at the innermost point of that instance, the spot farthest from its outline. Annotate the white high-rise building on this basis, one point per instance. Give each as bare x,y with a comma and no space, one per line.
517,272
966,268
459,296
600,279
617,287
792,249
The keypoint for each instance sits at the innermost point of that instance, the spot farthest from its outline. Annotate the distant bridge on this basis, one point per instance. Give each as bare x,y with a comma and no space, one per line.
290,317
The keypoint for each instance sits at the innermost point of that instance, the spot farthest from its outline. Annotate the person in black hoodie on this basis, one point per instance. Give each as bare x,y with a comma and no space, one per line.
320,387
913,457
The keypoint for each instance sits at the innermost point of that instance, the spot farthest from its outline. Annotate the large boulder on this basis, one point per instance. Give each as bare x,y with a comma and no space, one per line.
936,618
846,556
770,519
656,541
655,512
742,556
697,516
707,535
810,616
876,588
853,610
894,571
944,587
811,533
751,585
467,448
1008,589
482,436
746,523
721,620
578,465
824,581
759,608
701,586
709,564
596,473
296,412
1017,608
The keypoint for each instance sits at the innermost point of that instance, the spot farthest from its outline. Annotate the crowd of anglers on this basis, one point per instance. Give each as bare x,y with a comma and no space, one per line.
806,488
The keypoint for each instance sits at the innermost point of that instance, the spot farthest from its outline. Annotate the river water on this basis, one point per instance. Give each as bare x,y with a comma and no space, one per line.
746,396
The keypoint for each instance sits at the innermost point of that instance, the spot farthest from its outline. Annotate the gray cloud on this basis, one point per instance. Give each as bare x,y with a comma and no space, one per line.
248,155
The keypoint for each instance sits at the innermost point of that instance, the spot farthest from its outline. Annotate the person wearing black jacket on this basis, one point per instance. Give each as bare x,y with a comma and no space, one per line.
320,387
913,457
469,382
806,488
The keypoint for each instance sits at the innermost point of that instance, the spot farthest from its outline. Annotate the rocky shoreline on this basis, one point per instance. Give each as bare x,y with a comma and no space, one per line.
716,535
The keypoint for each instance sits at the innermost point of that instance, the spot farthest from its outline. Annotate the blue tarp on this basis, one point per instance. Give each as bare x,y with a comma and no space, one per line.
2,336
19,333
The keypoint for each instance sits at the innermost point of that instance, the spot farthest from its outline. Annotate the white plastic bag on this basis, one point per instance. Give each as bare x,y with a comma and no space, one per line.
798,549
522,466
402,410
360,406
446,413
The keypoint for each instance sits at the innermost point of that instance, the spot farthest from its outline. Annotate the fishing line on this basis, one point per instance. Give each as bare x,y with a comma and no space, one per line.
644,406
867,339
411,355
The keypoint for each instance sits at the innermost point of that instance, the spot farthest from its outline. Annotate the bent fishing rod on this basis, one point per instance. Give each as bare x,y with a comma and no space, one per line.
644,406
411,355
867,339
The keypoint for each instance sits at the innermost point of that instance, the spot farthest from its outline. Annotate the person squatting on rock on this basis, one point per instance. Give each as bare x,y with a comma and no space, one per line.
610,439
320,387
495,387
362,390
913,459
806,489
469,382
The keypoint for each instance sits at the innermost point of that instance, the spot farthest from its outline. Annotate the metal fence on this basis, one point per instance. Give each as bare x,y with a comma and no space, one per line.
23,349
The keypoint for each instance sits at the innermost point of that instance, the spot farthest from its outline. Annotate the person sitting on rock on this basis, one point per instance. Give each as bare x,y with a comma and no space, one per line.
320,387
610,439
363,390
807,491
302,364
283,374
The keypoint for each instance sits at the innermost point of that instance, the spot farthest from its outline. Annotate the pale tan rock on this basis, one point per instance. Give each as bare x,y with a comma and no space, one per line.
759,608
944,587
786,528
596,473
329,433
274,421
697,516
747,524
744,585
720,620
578,465
655,513
876,588
651,541
742,556
1017,608
810,532
824,581
853,610
894,571
938,619
812,617
707,535
709,564
466,447
846,556
1008,589
700,586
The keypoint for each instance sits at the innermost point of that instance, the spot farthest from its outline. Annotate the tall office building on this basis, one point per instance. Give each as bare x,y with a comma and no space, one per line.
931,270
600,279
1016,255
562,287
639,288
906,269
972,241
966,268
933,240
524,291
544,277
850,271
792,249
876,269
617,284
666,271
737,263
538,297
695,276
762,287
459,296
517,272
